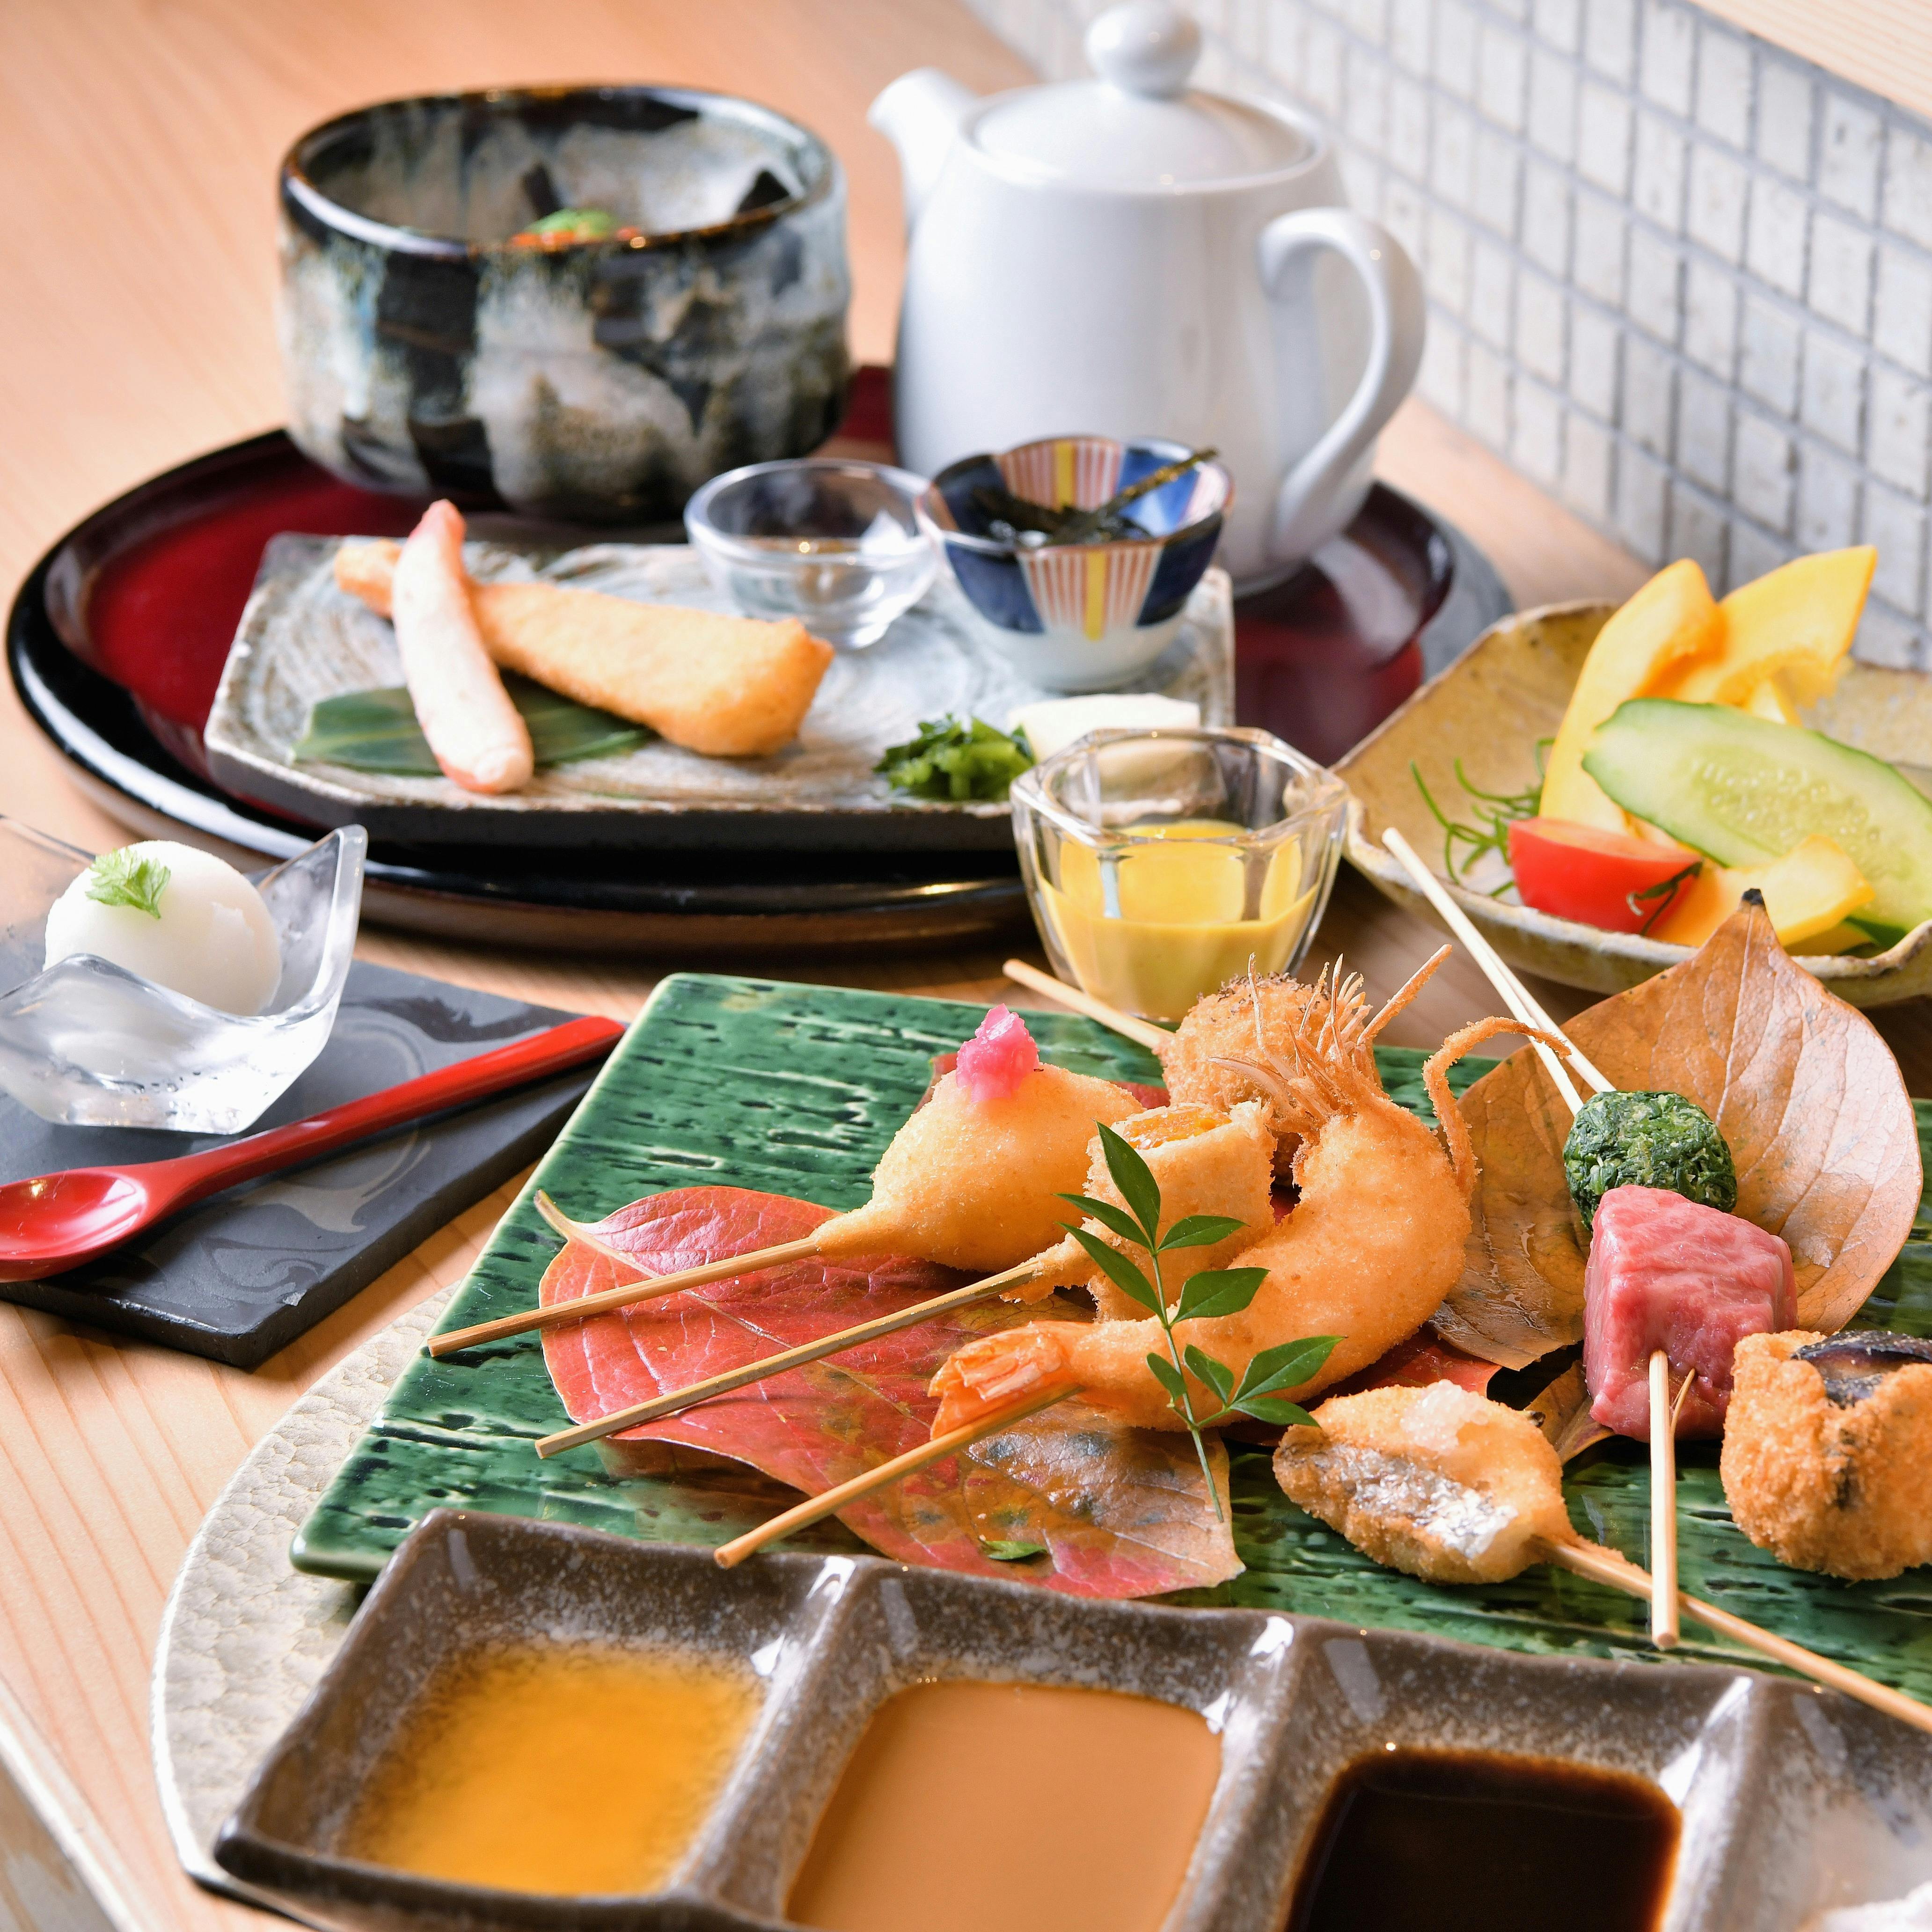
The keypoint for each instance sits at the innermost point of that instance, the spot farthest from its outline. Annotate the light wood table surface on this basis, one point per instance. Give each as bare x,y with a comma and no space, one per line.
139,139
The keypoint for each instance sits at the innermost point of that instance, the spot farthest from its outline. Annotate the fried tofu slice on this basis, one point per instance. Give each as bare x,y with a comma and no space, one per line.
728,687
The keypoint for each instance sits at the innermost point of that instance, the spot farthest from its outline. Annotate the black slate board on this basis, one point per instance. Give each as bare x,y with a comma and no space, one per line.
246,1273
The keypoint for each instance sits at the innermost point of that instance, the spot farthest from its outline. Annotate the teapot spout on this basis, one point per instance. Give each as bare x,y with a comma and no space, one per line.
919,113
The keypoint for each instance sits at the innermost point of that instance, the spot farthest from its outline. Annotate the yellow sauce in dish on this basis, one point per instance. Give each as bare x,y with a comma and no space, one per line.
1179,916
568,1770
927,1831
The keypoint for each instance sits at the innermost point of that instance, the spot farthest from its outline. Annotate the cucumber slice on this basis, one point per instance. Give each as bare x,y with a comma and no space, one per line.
1743,790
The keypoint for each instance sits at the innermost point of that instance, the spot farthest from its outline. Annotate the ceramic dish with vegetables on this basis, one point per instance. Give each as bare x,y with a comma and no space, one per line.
1601,786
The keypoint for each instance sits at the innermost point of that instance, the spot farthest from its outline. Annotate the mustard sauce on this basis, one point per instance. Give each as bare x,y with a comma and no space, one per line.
569,1771
1172,919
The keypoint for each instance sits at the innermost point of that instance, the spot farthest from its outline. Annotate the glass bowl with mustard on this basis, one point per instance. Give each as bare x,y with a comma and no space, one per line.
1159,863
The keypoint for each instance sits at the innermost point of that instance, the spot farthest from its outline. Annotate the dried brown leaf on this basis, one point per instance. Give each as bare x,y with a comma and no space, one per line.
1802,1086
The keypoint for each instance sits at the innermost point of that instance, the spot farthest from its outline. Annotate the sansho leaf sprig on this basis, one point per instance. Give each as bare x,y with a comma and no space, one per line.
128,877
1212,1292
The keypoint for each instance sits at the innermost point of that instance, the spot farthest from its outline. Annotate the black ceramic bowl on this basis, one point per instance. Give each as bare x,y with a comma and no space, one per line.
424,349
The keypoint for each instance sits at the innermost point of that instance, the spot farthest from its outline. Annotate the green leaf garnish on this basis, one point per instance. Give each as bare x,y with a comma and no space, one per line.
377,731
1200,1231
1217,1291
582,224
1135,1179
1203,1296
124,878
1000,1551
1115,1219
1121,1272
1287,1367
954,760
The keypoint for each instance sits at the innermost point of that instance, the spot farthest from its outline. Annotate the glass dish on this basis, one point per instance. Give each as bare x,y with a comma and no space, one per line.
86,1044
836,544
1161,864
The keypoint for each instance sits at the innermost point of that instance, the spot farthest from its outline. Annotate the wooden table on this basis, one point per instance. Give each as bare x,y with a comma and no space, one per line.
139,138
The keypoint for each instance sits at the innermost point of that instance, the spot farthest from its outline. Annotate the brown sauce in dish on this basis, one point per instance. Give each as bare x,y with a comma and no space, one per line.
1010,1808
1481,1841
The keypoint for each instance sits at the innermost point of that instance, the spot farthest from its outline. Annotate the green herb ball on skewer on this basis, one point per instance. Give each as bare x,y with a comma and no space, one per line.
1647,1140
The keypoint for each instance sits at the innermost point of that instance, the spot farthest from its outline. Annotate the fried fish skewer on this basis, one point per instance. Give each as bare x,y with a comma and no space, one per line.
1452,1487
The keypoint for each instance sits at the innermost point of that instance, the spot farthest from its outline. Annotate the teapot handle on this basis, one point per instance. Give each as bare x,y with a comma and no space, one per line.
1398,320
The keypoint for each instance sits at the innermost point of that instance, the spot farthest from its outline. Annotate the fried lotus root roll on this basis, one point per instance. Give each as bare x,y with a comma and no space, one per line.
1206,1162
1827,1460
1445,1484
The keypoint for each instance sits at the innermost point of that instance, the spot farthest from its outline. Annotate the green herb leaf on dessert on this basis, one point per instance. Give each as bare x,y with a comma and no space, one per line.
580,224
377,731
126,878
954,759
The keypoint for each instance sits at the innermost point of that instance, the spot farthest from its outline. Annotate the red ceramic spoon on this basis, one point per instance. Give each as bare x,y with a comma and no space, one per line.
57,1221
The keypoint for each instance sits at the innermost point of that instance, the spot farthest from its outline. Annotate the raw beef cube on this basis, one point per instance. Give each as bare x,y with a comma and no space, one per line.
1666,1272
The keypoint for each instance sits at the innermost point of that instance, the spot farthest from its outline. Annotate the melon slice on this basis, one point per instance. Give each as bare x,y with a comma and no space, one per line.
1671,622
1769,701
1796,623
1807,892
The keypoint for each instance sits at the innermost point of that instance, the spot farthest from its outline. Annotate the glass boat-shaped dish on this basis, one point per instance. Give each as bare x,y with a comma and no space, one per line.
88,1044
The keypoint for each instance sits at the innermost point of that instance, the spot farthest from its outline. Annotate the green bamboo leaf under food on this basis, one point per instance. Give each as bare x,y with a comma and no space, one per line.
377,731
447,1428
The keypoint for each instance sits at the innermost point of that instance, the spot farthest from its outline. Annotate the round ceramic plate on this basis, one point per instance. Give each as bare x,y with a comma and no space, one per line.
117,640
227,1682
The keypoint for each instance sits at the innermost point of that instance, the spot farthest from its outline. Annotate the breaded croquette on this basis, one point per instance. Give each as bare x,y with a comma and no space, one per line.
728,687
1443,1483
1827,1460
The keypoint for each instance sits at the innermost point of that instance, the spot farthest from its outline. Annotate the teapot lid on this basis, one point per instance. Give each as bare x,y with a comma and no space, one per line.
1139,124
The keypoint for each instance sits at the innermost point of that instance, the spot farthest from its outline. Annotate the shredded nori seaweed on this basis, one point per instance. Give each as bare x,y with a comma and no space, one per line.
1647,1140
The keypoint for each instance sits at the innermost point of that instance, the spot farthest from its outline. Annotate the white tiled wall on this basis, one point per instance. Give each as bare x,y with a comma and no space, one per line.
1680,278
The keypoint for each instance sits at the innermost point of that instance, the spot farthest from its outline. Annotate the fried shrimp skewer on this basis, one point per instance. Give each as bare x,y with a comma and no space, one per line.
478,737
1367,1253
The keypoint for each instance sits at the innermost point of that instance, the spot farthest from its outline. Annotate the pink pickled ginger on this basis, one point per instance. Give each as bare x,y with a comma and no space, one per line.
994,1062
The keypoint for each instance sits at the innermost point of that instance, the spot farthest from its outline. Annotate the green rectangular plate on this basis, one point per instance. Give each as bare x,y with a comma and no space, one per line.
796,1090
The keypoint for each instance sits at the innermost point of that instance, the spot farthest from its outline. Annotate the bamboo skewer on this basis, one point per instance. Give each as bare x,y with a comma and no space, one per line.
1142,1033
676,1400
1515,995
1663,1629
647,1287
729,1554
1606,1567
1663,1624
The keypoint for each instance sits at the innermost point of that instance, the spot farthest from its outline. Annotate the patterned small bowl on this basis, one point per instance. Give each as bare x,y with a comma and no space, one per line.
1080,616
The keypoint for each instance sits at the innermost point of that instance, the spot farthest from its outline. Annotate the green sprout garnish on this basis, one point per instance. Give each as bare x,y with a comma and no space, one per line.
123,878
1494,811
580,224
955,759
1212,1292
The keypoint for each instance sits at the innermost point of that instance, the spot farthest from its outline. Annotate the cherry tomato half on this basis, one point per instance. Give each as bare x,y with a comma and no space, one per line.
1579,872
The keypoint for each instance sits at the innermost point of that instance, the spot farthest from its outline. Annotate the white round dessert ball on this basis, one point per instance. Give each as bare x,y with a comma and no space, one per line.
209,935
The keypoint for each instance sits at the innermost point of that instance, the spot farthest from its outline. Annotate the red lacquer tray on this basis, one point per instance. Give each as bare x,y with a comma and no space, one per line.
117,640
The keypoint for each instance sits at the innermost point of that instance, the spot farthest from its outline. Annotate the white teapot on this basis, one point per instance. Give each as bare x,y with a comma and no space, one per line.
1126,257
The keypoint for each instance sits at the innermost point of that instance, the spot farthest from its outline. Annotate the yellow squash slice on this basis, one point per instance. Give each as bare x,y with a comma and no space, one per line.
1672,622
1807,892
1796,623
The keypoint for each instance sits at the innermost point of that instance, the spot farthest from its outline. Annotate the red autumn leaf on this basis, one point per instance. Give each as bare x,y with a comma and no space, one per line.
1135,1523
